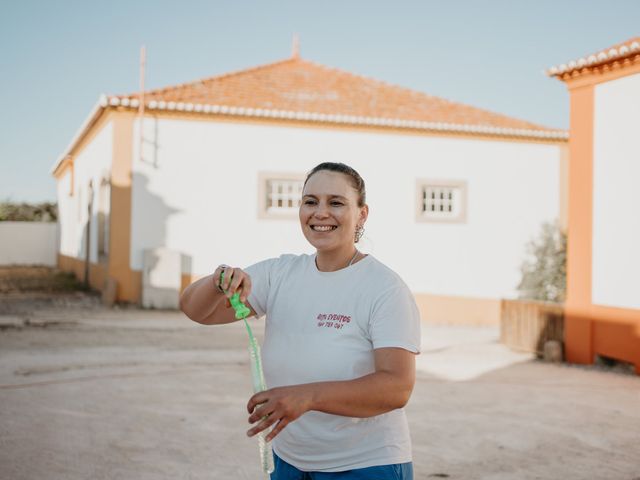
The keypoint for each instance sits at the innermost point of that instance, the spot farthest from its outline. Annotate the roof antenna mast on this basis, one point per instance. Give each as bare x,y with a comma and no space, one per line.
143,61
295,49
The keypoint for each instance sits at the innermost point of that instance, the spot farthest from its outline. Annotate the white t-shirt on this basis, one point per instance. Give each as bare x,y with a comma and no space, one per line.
324,326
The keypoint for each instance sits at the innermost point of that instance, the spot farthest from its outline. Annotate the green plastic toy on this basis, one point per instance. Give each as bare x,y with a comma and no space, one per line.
242,311
257,375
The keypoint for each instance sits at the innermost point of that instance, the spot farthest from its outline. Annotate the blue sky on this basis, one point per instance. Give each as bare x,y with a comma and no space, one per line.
58,57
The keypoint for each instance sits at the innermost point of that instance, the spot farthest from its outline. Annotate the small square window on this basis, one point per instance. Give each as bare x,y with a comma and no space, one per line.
279,194
441,201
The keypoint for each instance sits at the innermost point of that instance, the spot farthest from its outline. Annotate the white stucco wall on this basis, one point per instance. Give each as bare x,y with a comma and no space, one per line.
616,193
67,215
195,191
28,243
93,163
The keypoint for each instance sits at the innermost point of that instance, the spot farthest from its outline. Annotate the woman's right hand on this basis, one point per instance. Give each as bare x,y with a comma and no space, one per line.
204,300
234,280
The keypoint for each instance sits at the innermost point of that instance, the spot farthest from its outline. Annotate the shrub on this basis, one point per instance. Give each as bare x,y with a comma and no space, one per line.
25,212
544,271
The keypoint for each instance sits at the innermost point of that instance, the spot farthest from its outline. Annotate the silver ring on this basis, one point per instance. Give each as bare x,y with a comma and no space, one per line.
221,267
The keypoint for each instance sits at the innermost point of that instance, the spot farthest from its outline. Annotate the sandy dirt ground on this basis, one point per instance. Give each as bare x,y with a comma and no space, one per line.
92,393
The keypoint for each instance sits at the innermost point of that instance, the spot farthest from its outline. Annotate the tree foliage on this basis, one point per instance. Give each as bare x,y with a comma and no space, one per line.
544,271
25,212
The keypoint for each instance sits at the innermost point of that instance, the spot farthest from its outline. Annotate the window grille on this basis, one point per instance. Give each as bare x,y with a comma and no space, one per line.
279,195
283,196
441,201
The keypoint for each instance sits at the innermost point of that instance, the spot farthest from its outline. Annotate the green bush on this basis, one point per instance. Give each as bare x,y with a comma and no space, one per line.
27,278
544,271
25,212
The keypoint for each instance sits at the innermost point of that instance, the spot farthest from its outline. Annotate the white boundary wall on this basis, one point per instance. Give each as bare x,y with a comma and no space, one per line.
616,194
28,243
195,191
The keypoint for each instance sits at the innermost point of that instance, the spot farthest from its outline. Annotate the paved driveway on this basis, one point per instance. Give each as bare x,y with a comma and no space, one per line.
127,394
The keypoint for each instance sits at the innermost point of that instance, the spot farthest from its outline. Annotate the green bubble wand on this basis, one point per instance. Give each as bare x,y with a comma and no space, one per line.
257,375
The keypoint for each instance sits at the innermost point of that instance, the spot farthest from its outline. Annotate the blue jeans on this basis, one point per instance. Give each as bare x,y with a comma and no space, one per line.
397,471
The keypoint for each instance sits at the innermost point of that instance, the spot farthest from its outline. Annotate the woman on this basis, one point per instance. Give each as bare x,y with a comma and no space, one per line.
341,335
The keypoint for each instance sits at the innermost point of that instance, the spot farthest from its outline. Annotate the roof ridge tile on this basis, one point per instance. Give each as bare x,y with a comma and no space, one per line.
619,51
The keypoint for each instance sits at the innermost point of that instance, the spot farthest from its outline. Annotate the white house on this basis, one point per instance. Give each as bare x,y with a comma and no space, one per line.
212,170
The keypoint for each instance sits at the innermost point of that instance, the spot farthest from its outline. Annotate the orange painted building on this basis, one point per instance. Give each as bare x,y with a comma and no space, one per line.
602,312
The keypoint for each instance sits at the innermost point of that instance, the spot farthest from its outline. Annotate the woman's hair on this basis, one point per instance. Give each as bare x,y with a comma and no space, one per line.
356,180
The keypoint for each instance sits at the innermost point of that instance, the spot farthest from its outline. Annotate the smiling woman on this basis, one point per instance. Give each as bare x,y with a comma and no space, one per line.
342,332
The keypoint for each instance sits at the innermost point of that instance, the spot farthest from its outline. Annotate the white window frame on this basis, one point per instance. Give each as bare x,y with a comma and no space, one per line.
266,193
458,188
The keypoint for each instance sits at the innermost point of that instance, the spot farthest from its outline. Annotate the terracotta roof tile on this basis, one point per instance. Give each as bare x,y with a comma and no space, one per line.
299,85
625,51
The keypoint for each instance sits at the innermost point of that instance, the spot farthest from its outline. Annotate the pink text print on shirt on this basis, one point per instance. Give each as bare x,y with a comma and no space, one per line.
332,320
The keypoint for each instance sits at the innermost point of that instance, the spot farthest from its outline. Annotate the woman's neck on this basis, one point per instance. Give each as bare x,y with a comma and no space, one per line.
330,261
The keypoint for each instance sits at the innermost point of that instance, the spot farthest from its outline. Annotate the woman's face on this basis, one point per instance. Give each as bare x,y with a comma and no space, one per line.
329,212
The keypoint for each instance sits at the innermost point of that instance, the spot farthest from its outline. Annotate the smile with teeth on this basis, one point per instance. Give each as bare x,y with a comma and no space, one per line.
323,228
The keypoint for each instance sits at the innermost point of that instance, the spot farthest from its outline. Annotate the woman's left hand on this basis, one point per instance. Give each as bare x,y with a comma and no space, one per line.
278,406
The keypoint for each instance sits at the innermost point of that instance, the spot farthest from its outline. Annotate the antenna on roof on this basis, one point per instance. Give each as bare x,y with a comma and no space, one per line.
143,61
295,49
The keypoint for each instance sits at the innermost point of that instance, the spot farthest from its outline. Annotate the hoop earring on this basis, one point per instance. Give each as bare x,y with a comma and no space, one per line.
359,233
